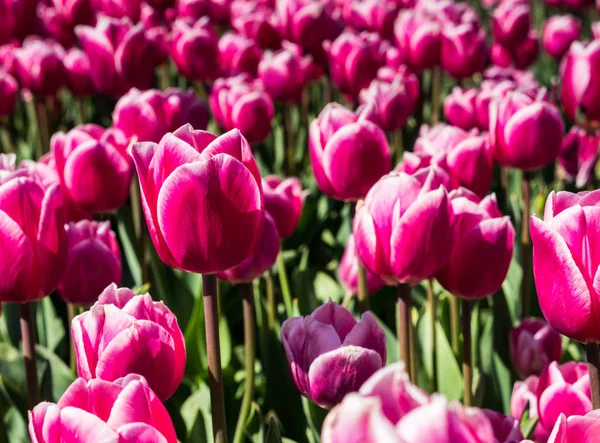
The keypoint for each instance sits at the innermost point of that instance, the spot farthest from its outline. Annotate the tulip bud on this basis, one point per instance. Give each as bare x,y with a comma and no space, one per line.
482,247
331,354
579,92
111,340
195,50
241,102
202,199
283,201
346,159
257,22
9,90
511,23
78,70
238,54
566,299
576,428
463,50
533,345
372,15
39,66
525,133
418,40
578,155
459,108
558,34
125,411
348,271
389,235
93,262
149,115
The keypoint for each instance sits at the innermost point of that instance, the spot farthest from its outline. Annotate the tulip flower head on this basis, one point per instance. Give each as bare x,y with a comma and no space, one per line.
372,15
195,49
533,345
580,95
9,90
284,199
460,108
463,49
78,70
576,428
511,23
256,21
578,155
558,34
39,66
238,54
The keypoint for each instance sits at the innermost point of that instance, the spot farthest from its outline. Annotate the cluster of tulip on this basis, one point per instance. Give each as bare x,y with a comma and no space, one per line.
388,142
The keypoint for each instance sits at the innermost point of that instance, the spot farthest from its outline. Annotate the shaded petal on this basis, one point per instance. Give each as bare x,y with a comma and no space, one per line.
368,334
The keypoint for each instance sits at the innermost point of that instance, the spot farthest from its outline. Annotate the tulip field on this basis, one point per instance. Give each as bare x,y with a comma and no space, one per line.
311,221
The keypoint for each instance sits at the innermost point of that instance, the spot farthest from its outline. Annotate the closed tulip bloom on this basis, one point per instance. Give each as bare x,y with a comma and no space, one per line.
9,91
511,23
567,231
120,8
524,396
525,133
195,49
61,16
93,262
418,40
489,92
283,201
389,235
194,9
242,103
112,340
459,108
463,50
533,345
78,70
257,22
261,261
372,15
348,271
124,411
17,17
122,55
32,237
526,53
558,34
238,54
578,155
579,92
482,247
202,198
347,159
39,66
576,428
93,165
330,354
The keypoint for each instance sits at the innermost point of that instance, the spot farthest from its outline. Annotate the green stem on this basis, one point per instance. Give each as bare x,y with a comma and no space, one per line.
289,141
7,143
28,339
363,290
526,246
285,287
140,232
436,86
454,324
399,145
249,357
593,358
81,110
433,320
42,126
71,313
403,324
271,304
467,353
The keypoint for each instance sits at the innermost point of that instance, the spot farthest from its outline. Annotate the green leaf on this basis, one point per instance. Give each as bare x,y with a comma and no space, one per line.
16,427
129,252
512,290
327,288
56,376
50,327
391,342
225,342
195,412
273,432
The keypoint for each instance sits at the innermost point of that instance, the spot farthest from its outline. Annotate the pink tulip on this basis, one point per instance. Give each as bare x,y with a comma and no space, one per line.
128,334
511,23
506,429
94,167
78,70
93,262
39,66
482,247
121,53
389,235
578,155
463,50
579,93
566,299
61,16
490,91
576,428
241,102
533,345
459,108
122,411
526,53
331,354
149,115
195,49
391,102
202,198
283,201
238,54
418,40
9,90
347,159
18,17
348,271
558,34
257,22
524,396
372,15
217,10
261,261
525,133
120,8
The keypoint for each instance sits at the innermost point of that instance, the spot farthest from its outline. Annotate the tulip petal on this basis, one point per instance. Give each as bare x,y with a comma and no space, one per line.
16,284
44,423
561,399
337,316
140,433
82,427
368,334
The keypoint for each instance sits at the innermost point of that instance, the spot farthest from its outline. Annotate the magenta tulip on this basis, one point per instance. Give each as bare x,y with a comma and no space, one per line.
418,39
525,133
128,334
460,108
562,239
39,66
32,235
579,93
120,8
348,271
372,15
60,17
202,198
526,53
506,429
93,165
576,428
122,411
482,247
558,34
257,22
93,262
347,157
241,103
389,235
194,9
330,354
238,54
463,50
283,201
195,49
18,19
491,90
120,53
578,155
149,115
9,91
79,74
511,23
524,396
533,345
